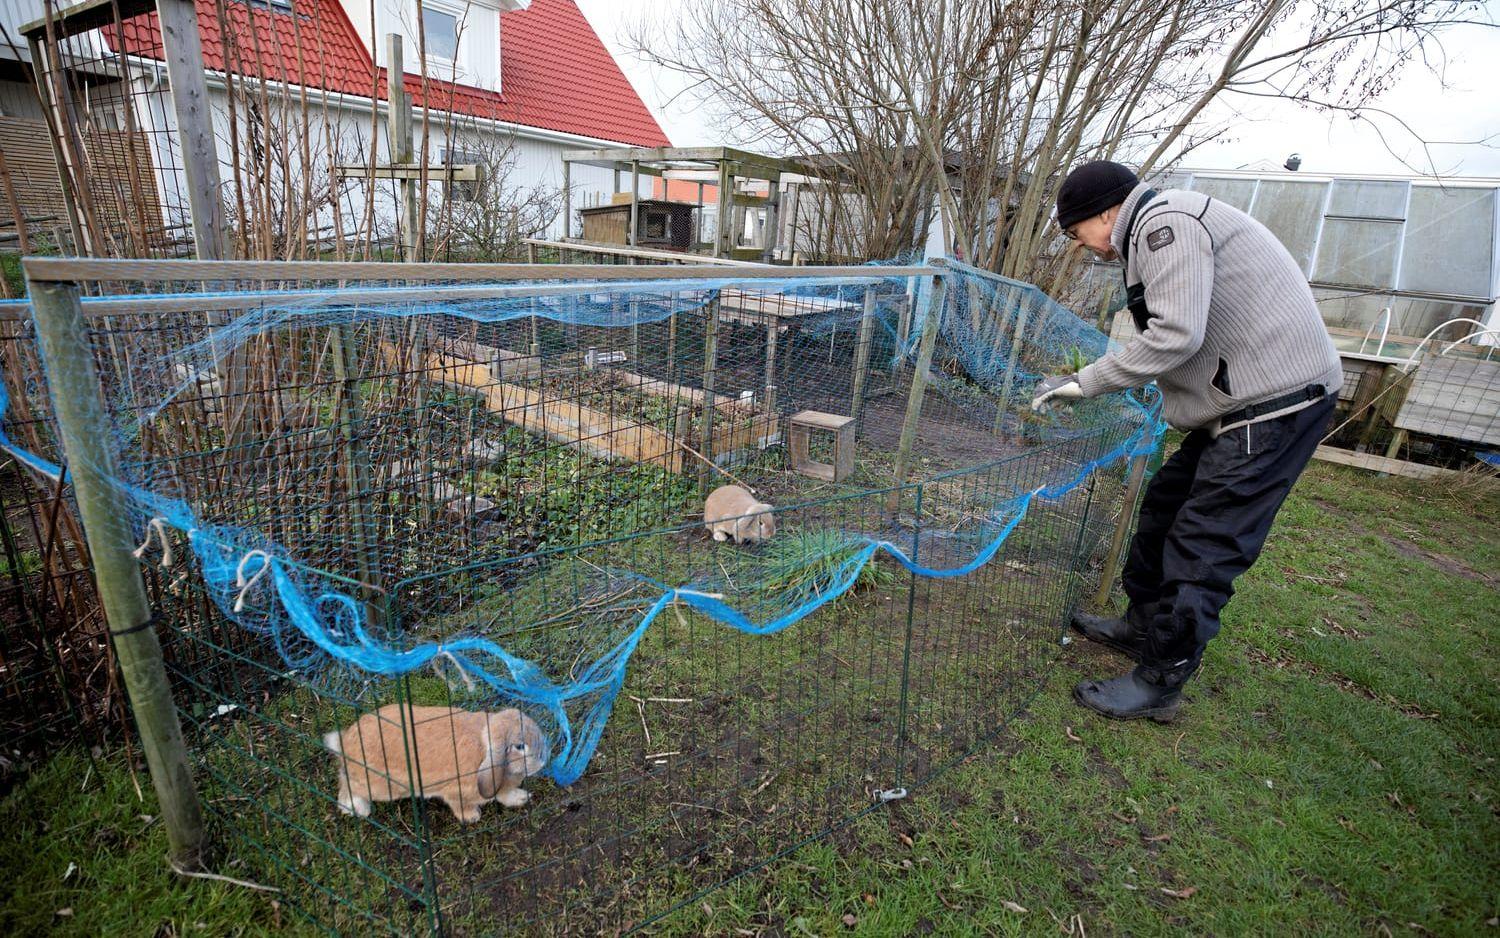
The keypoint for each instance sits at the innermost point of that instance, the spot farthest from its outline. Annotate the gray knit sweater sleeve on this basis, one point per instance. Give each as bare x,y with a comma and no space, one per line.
1174,256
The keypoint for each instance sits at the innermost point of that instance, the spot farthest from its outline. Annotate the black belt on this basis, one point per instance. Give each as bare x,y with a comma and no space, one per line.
1313,392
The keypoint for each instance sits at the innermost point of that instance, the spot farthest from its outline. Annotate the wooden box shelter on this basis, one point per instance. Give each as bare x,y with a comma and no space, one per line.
731,178
659,224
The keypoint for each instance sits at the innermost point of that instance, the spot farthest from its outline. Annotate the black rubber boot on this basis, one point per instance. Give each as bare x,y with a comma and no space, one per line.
1126,635
1130,697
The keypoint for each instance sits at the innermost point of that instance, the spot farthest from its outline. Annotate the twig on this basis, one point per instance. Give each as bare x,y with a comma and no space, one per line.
718,468
221,879
640,705
763,785
727,578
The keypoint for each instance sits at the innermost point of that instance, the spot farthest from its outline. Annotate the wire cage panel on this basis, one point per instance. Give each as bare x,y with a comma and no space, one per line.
381,506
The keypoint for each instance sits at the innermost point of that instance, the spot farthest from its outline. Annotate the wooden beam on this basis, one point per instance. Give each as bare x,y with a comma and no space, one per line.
1378,463
642,253
567,200
189,92
400,145
82,17
594,431
723,237
146,271
772,229
635,201
189,89
757,165
452,172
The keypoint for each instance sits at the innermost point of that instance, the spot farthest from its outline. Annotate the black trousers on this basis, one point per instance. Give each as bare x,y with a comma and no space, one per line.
1203,520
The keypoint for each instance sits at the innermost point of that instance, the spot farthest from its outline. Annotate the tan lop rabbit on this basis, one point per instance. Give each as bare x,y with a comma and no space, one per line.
730,511
463,758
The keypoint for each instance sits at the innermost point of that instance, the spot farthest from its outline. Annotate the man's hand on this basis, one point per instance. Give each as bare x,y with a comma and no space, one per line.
1057,387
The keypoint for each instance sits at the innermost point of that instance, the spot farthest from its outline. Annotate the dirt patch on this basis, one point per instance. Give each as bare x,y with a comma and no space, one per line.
1444,562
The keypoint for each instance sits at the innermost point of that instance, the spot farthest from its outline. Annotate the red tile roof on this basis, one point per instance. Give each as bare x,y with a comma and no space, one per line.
554,71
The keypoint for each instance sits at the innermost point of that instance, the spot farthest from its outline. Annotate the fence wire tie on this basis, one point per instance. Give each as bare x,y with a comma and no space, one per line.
887,795
677,594
244,584
156,527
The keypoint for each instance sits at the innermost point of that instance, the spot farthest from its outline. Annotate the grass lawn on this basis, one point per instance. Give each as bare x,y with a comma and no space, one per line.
1334,772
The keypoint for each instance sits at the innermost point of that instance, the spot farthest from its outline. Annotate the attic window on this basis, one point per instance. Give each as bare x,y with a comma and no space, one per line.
441,31
276,6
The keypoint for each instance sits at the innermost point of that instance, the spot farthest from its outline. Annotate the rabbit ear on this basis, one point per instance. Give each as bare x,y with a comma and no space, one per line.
501,730
489,772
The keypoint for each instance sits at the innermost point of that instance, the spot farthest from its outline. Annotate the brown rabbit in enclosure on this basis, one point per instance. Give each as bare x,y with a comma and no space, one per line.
730,511
464,758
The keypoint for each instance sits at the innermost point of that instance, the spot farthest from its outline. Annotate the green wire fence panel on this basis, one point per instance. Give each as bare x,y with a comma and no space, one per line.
376,501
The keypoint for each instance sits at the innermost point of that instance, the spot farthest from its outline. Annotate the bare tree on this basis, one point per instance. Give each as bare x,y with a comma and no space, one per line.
487,220
982,106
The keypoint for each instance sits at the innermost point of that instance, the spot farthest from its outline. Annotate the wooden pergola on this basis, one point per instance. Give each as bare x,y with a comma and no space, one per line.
722,167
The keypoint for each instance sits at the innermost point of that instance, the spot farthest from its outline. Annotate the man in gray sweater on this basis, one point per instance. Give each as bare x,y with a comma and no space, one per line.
1231,335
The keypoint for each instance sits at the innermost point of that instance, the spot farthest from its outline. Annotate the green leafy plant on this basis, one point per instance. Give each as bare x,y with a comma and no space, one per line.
1077,361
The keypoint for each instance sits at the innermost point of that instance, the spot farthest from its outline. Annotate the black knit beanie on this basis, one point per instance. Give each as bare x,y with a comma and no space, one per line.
1092,188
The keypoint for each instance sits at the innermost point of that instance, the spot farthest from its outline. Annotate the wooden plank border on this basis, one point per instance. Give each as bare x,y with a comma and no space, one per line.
65,269
1377,463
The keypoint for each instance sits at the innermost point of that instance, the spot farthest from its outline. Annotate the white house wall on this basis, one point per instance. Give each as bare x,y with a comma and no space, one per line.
478,62
537,162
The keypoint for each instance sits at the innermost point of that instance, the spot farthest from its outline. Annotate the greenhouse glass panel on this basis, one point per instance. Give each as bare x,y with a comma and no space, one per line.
1173,180
1417,317
1365,198
1358,253
1292,210
1236,192
1351,312
1450,241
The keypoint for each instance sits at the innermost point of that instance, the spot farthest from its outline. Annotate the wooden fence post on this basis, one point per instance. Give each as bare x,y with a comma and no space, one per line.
77,400
931,323
1112,561
862,356
710,367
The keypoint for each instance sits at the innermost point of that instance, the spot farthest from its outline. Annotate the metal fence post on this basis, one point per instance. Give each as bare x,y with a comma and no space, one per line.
78,402
911,612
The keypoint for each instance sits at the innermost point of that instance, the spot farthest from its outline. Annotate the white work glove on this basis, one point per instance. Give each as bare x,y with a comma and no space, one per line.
1058,388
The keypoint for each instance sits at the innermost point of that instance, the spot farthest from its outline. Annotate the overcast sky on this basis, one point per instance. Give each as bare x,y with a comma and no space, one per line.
1466,109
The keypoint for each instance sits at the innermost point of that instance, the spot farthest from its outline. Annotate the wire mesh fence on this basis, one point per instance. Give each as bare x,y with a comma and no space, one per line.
374,507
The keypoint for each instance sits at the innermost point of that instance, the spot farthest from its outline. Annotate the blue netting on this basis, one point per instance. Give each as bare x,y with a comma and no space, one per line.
275,552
